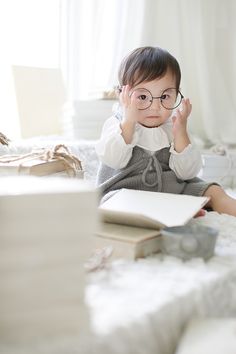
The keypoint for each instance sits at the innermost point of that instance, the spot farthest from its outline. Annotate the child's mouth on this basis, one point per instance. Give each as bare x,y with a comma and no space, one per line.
153,117
150,120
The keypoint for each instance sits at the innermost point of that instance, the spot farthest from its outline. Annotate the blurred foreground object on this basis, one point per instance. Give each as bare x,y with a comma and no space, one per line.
46,233
208,336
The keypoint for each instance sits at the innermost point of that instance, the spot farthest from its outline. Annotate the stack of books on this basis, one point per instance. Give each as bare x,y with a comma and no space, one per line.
46,236
132,220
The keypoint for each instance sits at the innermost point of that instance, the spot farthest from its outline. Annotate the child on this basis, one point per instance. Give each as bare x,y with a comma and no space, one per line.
145,144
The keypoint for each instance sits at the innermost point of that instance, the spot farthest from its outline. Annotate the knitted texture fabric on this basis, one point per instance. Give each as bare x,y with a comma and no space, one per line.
150,173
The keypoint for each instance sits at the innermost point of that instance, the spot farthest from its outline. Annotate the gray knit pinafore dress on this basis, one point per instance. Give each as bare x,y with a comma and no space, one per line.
149,172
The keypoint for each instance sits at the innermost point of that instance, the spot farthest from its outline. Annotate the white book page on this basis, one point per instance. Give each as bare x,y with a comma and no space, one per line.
166,209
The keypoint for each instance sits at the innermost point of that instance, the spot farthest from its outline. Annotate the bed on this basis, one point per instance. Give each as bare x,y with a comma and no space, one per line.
144,306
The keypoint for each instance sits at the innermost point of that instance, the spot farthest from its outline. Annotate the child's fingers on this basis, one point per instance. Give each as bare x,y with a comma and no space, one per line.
174,119
134,97
186,107
201,212
184,111
125,95
177,115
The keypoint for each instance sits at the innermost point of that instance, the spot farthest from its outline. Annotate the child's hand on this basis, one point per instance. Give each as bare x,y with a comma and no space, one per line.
128,102
201,212
181,138
180,118
130,115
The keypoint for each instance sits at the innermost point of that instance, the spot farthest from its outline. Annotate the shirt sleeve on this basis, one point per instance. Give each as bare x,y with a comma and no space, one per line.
111,148
187,163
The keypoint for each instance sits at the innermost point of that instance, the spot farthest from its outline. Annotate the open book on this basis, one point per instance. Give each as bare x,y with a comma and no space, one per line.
150,209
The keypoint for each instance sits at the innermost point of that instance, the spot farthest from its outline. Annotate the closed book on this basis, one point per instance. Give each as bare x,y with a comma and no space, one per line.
147,209
127,241
37,167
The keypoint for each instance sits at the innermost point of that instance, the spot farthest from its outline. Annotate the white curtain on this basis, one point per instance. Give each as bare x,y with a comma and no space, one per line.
209,67
96,34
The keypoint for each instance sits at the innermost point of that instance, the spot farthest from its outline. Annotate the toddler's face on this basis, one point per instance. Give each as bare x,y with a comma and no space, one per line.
156,114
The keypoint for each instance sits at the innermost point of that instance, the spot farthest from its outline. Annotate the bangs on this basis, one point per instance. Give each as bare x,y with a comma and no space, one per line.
147,73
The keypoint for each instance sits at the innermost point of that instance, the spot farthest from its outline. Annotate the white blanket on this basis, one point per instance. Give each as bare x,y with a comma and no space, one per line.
144,305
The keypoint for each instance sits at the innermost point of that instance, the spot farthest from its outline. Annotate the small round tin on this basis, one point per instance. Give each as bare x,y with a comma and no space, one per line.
189,241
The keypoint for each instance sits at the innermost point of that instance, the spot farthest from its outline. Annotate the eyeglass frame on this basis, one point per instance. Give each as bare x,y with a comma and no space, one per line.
156,97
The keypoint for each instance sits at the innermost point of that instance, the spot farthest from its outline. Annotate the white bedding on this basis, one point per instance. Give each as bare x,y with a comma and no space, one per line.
144,305
147,303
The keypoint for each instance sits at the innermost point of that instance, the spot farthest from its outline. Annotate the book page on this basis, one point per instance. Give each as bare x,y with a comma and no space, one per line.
150,209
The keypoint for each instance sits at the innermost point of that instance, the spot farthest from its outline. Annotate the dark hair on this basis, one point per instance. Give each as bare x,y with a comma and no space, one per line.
147,64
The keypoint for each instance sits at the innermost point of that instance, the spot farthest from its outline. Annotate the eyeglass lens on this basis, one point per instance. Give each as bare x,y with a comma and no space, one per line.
170,98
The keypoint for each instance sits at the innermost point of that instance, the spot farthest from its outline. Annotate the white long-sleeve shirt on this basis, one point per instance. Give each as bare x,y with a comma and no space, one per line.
113,151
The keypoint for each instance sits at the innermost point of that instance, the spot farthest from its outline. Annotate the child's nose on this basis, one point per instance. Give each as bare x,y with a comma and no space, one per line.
156,103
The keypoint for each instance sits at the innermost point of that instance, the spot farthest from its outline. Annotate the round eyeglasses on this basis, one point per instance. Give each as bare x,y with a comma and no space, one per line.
170,98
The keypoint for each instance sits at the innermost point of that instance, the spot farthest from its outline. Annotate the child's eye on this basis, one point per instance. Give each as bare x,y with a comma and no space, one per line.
142,97
165,97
